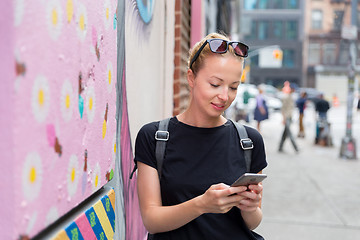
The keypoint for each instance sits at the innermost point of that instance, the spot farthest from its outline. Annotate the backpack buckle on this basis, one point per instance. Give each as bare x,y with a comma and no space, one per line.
162,135
246,144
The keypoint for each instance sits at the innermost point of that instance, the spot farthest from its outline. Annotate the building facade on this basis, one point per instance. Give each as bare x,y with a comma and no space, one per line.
274,23
326,52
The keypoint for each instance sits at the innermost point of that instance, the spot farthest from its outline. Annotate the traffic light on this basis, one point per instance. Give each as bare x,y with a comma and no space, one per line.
278,54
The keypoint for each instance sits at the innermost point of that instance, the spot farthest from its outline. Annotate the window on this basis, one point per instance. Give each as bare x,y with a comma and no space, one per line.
263,30
263,4
338,19
314,54
344,54
329,54
288,58
254,61
291,30
250,4
252,33
278,29
292,4
316,19
278,4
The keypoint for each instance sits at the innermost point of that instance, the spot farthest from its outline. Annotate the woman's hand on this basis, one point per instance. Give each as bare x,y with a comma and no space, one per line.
220,198
251,199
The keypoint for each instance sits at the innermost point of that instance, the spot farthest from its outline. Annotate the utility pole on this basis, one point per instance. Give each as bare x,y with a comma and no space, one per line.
348,143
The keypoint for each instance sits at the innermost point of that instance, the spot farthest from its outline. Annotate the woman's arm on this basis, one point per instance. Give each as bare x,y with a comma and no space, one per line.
218,198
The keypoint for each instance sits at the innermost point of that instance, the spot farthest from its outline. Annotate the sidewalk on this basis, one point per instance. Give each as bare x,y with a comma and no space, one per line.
312,195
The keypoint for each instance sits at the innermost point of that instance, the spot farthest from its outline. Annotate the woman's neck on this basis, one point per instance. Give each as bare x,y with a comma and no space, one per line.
195,119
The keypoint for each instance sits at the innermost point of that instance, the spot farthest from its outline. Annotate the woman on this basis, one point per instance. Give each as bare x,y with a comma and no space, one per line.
261,110
203,157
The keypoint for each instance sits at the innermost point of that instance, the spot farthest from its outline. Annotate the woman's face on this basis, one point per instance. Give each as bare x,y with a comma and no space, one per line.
215,86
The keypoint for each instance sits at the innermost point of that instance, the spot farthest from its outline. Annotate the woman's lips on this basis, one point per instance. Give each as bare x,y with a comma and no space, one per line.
218,106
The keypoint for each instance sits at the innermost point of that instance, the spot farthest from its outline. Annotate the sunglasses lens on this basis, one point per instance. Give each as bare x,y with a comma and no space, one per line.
218,46
240,49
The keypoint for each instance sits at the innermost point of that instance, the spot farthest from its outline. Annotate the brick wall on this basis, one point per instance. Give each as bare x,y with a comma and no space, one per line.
182,46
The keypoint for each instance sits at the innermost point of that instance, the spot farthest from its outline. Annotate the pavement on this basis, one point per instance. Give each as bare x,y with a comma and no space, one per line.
313,194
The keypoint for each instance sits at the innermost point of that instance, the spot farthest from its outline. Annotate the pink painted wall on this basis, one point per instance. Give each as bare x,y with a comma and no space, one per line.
58,106
6,116
197,22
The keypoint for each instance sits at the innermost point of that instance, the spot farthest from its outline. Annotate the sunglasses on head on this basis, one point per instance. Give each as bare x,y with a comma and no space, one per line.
221,46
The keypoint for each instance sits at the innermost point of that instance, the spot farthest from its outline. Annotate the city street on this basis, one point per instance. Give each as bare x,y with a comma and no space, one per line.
313,194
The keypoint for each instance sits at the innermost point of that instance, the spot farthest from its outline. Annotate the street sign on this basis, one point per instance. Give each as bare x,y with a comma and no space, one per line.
270,58
349,32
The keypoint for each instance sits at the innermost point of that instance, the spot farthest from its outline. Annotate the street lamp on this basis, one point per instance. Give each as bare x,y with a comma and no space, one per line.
348,143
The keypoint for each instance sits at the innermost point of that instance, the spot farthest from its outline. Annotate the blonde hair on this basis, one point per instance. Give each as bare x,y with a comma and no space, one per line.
198,64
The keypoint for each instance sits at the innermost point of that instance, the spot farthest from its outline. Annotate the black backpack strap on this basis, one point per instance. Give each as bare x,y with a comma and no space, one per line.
161,137
245,142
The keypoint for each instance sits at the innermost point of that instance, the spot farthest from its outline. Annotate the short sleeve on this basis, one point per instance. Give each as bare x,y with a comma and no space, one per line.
145,145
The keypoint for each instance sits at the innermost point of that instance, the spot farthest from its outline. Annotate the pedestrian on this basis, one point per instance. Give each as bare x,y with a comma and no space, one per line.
301,105
322,106
203,157
322,125
287,111
261,111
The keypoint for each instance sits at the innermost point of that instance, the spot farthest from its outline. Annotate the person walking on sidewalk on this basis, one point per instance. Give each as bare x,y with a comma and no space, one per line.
322,107
287,111
193,198
301,104
261,111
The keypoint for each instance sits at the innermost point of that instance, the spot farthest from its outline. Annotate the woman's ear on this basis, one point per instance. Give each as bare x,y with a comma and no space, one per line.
190,78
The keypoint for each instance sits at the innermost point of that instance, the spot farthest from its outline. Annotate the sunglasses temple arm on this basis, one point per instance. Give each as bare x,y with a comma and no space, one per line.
197,54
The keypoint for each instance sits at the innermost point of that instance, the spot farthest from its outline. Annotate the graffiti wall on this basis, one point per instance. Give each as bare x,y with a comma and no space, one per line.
79,79
62,103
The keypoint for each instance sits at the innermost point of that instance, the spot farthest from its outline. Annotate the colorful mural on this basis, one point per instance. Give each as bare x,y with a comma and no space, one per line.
67,114
64,93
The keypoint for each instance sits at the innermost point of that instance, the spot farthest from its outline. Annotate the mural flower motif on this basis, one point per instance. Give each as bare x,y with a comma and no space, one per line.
109,76
32,174
40,101
54,18
90,103
82,21
73,175
107,14
96,178
67,101
69,10
51,216
19,12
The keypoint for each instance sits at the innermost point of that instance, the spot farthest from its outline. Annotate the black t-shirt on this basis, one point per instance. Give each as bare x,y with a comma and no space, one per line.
195,159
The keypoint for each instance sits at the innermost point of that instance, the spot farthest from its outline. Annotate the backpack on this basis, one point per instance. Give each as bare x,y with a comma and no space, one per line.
162,136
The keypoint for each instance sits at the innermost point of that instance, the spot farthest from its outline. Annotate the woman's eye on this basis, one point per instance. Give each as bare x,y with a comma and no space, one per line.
214,85
233,88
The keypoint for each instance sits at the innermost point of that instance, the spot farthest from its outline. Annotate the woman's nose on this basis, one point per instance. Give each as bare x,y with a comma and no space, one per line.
224,95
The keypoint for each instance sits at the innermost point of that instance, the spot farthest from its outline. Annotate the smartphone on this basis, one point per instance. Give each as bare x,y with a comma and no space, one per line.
249,179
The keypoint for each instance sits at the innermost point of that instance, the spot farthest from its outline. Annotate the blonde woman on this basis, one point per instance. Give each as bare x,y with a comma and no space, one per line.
193,199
